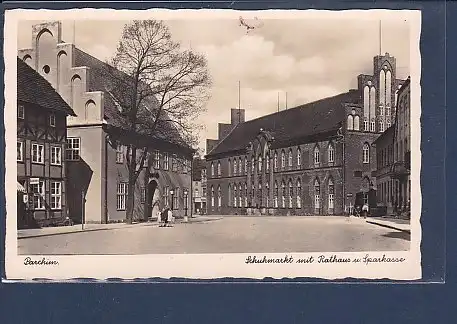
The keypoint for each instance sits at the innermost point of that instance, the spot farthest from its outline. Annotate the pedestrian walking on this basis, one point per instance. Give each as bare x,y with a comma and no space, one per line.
169,216
365,210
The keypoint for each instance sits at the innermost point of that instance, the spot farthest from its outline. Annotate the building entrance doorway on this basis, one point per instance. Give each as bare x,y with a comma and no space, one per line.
152,199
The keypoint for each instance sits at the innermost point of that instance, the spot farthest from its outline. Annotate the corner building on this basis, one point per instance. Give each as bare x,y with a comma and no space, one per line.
314,159
97,174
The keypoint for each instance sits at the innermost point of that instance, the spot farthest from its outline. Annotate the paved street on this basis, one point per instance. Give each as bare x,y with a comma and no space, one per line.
228,235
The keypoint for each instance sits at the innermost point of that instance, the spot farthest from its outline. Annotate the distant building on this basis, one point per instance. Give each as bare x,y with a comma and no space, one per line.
393,149
97,137
199,186
314,159
41,139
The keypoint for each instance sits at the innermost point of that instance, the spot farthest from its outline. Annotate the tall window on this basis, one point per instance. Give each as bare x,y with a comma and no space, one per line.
218,169
229,194
229,167
350,122
212,169
212,196
276,193
331,194
20,151
156,160
331,153
166,190
283,194
260,192
56,195
365,125
290,158
185,167
372,126
356,123
366,153
275,161
317,193
174,163
56,155
73,151
240,188
119,153
38,194
298,193
381,126
37,153
235,166
283,159
245,194
165,161
52,120
20,112
267,163
298,157
260,164
121,195
291,193
316,156
176,199
267,194
252,165
246,165
240,166
219,196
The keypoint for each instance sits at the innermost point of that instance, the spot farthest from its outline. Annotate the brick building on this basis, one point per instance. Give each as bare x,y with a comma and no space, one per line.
312,159
41,138
96,154
199,185
393,149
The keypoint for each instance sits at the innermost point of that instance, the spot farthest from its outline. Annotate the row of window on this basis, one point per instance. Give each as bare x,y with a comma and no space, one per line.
21,115
38,153
353,123
238,195
39,198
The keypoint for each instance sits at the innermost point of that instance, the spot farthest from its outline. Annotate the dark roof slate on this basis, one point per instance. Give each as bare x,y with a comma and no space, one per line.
295,124
34,89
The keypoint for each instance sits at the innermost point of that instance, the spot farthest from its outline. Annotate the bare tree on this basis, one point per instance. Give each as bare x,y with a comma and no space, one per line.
159,89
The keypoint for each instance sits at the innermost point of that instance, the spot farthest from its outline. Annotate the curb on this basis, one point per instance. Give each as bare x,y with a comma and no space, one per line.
389,226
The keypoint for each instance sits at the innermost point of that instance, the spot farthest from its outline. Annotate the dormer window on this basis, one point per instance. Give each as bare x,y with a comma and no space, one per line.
52,120
20,112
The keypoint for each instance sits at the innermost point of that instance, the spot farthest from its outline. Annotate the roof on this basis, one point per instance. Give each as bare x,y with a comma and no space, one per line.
299,124
388,133
198,165
34,89
99,81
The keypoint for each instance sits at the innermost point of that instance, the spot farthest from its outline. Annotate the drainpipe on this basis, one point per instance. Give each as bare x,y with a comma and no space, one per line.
344,173
105,202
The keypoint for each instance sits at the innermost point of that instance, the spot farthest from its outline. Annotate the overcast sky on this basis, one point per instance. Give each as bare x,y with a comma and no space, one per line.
309,59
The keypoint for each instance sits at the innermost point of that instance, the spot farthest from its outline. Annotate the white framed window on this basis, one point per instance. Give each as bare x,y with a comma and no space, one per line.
56,195
366,153
381,110
219,197
372,126
37,153
291,193
165,161
350,122
283,160
365,125
234,195
229,167
156,160
166,190
122,193
290,158
381,126
267,163
20,151
56,155
20,112
245,164
120,153
73,151
260,163
212,169
298,193
176,199
174,163
143,195
212,196
275,198
240,164
252,165
283,196
218,169
299,158
229,194
356,122
317,194
52,120
245,194
317,159
38,194
240,189
275,161
267,194
331,194
235,166
331,153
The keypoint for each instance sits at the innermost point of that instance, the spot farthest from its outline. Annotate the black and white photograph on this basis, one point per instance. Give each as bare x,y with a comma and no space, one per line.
213,143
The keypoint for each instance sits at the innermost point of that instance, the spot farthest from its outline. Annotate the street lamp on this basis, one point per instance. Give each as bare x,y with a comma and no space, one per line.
172,193
185,205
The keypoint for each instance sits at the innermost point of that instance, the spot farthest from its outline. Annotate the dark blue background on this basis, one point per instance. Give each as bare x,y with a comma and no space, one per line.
291,302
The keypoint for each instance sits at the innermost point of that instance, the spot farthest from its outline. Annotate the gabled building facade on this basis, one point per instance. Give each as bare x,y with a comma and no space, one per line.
314,159
97,136
41,140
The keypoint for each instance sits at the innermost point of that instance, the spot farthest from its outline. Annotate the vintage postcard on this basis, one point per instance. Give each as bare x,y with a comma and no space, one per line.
210,144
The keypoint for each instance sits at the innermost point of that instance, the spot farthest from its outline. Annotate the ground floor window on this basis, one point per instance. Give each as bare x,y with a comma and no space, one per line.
176,199
330,201
234,196
283,196
316,201
291,194
121,195
219,197
38,194
56,195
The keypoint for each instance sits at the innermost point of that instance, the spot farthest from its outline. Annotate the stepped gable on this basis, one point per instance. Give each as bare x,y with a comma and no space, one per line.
34,89
300,124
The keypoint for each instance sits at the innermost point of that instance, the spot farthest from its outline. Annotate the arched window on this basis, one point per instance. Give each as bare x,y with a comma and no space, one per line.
276,193
365,125
245,194
372,125
366,153
267,163
218,169
275,161
260,164
331,153
240,189
290,158
388,123
229,192
283,196
350,122
252,190
381,126
240,163
317,159
260,194
229,167
331,195
283,159
356,122
212,196
245,164
234,196
235,166
219,196
317,197
252,165
267,194
212,170
299,158
298,193
291,193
